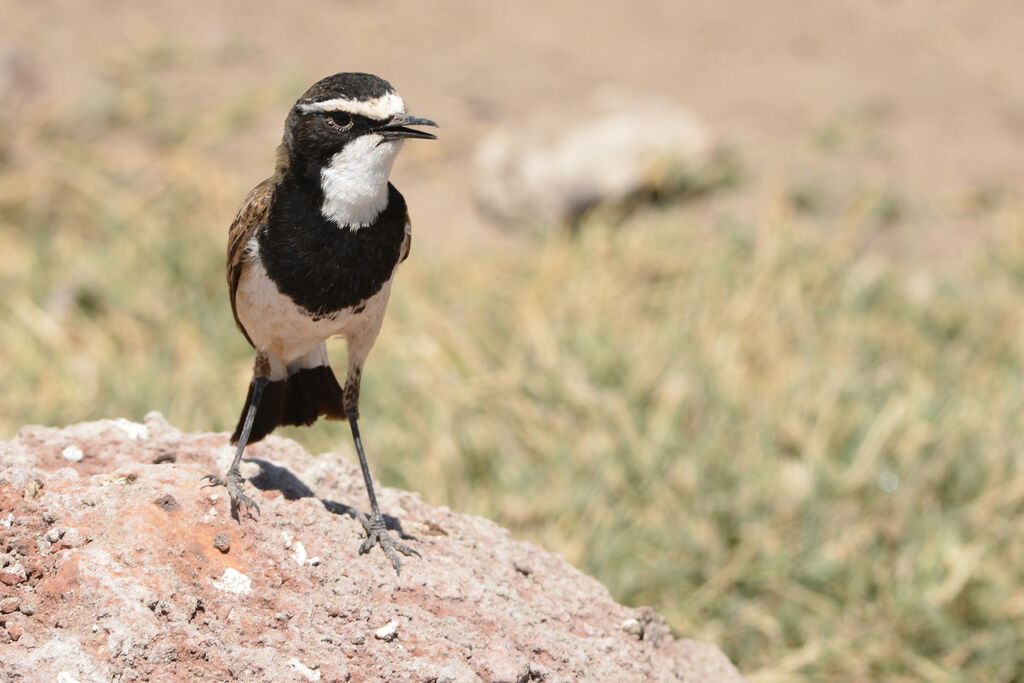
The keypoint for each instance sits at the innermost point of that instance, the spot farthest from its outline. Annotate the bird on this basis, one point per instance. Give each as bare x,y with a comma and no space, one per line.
312,254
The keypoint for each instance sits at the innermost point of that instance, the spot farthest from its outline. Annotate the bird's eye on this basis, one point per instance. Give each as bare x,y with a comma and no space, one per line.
340,120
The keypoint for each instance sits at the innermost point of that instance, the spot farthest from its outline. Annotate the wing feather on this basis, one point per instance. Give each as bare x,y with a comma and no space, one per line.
251,215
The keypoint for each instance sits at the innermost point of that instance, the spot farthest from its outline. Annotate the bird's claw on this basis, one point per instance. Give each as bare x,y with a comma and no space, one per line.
377,534
232,481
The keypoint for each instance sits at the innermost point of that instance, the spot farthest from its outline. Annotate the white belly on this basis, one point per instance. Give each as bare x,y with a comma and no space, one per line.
278,326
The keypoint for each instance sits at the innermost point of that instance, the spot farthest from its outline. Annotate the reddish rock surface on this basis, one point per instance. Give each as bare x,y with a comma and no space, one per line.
115,565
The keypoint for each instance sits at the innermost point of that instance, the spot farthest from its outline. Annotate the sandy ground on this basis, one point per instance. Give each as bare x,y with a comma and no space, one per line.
917,99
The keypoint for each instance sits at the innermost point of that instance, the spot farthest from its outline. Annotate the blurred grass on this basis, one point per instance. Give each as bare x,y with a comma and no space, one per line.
790,446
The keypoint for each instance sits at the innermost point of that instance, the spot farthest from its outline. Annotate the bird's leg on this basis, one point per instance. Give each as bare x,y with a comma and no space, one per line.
233,478
376,530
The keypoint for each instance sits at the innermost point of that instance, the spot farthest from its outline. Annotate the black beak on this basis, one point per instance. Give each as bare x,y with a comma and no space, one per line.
396,127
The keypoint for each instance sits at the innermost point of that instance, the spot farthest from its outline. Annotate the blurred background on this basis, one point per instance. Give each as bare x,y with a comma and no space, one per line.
782,403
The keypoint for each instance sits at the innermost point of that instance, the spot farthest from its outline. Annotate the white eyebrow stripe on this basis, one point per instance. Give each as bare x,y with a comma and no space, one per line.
380,108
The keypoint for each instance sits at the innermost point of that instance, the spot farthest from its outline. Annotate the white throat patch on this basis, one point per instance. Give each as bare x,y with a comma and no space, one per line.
355,183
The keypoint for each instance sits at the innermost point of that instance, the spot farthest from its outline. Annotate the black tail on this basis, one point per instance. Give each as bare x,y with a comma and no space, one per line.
298,400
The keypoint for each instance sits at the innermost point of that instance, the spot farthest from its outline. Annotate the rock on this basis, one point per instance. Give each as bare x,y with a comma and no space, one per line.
387,632
72,538
303,670
299,553
222,542
147,594
619,147
12,575
32,488
233,581
633,627
72,453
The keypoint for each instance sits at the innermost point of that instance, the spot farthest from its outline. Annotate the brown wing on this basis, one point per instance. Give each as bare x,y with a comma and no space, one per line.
251,215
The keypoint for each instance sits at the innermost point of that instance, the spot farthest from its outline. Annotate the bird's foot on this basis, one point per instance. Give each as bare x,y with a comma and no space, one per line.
377,534
233,482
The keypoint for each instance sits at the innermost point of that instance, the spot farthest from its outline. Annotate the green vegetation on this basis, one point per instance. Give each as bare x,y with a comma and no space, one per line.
788,445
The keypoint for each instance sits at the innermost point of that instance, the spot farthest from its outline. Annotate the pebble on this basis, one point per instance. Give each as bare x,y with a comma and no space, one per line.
72,538
233,581
32,488
633,627
12,575
72,453
387,632
222,542
299,551
27,608
8,605
15,631
523,567
54,534
303,670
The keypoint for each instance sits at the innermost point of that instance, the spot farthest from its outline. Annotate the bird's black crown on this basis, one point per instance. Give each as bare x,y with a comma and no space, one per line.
350,85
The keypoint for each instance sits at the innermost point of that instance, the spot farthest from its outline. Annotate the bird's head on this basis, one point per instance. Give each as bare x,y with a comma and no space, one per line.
357,112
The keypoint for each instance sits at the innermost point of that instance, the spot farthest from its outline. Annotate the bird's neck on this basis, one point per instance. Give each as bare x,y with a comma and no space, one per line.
351,189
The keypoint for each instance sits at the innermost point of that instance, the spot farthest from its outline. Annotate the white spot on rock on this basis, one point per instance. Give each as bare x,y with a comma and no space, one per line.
72,453
233,581
133,429
633,627
303,670
387,632
299,551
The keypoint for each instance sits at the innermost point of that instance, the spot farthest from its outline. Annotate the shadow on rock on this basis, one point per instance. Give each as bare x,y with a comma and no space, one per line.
276,478
392,523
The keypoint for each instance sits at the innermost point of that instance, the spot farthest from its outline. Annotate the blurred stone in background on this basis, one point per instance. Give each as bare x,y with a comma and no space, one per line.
618,147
